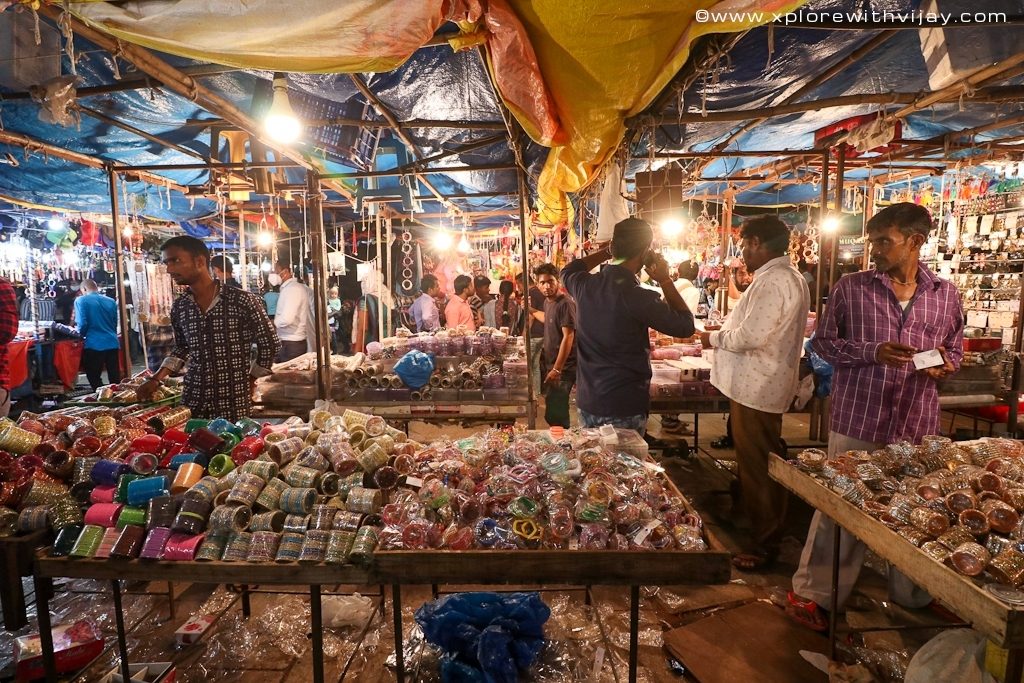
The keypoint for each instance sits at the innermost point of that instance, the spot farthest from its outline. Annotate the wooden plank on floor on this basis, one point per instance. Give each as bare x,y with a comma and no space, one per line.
696,598
754,642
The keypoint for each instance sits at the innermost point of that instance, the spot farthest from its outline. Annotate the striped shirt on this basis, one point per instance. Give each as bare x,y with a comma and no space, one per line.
875,402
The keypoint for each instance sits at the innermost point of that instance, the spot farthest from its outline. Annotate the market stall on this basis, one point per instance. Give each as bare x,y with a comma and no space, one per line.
930,523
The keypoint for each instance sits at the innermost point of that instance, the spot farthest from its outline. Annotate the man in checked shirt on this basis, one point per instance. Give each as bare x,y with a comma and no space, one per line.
875,322
215,329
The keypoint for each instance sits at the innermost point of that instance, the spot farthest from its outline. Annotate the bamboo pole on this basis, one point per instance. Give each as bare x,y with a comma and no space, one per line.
319,257
122,298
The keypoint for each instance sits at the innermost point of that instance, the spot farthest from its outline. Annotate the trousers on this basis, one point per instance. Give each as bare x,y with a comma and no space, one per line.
756,435
813,577
290,349
94,362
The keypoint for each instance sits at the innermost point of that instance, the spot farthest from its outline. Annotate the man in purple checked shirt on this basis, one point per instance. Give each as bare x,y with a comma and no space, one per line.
875,322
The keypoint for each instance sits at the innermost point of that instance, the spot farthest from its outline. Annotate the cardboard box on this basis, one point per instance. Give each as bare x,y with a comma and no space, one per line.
74,646
193,629
144,673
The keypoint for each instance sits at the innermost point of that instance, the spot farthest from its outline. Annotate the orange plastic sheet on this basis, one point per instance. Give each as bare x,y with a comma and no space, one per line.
571,71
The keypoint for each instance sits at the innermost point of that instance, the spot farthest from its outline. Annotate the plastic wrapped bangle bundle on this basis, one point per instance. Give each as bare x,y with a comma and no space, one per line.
522,507
297,501
364,544
182,547
160,511
301,477
65,541
205,441
364,500
230,518
121,492
237,548
970,559
129,542
334,425
34,518
434,494
345,520
82,469
314,546
322,517
318,418
375,426
220,465
339,546
88,541
283,452
107,472
187,476
268,521
290,547
246,490
247,449
296,524
142,463
264,469
106,545
372,458
1008,567
351,418
141,490
17,440
170,418
105,426
131,516
270,496
212,547
191,518
328,484
204,489
310,457
8,522
264,546
227,481
64,512
103,514
348,483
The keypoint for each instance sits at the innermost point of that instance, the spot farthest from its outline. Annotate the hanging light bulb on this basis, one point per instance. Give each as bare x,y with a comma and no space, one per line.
464,247
265,239
56,223
830,224
127,231
443,240
281,123
265,266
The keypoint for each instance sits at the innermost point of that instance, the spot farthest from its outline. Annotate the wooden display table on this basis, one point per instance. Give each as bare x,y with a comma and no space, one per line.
395,568
1001,622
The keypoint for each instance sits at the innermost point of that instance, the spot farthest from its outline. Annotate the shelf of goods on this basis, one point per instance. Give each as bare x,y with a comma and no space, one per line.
473,375
946,514
347,499
123,394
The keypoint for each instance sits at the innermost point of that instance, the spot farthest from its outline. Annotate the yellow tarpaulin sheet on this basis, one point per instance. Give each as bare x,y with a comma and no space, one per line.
571,71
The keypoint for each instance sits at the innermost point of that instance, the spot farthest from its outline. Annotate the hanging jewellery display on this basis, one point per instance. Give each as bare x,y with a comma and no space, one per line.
407,262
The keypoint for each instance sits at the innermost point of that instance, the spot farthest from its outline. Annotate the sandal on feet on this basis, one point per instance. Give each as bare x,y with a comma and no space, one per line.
807,613
754,560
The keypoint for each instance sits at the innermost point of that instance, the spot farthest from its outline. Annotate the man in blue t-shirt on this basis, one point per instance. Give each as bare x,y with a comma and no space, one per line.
96,318
613,314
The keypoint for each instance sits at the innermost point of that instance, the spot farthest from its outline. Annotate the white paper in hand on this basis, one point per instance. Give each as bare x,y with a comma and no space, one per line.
928,359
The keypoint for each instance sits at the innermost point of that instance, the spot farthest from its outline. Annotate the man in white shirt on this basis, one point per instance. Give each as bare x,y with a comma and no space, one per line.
424,309
756,364
292,319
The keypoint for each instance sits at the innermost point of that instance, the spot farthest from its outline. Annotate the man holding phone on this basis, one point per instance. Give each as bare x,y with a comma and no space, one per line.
875,324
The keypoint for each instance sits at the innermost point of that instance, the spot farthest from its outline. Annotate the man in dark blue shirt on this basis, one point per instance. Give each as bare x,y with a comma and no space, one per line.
613,314
96,318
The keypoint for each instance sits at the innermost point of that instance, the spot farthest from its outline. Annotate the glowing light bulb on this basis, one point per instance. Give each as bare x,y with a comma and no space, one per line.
443,241
281,123
671,227
464,247
128,231
56,223
265,266
847,256
265,239
830,224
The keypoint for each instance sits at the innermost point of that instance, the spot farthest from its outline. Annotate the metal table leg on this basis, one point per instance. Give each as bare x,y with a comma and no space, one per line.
1014,667
122,642
318,633
44,591
634,631
246,606
396,608
834,599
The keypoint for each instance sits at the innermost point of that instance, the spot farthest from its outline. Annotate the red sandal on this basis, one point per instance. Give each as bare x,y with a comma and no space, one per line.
807,613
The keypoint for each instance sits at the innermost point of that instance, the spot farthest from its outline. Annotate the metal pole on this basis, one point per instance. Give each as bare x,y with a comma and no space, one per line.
531,409
834,251
818,406
122,305
381,282
243,267
869,210
319,257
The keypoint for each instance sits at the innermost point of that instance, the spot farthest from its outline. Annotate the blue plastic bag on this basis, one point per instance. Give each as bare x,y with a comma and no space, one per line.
414,368
822,372
488,637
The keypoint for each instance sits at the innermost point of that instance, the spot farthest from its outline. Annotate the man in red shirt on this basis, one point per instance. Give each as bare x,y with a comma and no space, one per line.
8,329
458,312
